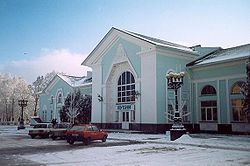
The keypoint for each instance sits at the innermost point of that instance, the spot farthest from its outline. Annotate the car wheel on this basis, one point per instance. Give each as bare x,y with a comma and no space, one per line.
32,136
104,138
87,141
71,141
53,137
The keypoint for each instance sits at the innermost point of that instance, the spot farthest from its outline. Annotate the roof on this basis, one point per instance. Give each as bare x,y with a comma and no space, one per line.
223,55
150,40
158,42
74,81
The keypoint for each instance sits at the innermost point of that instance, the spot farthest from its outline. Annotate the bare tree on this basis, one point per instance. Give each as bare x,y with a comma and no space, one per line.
12,89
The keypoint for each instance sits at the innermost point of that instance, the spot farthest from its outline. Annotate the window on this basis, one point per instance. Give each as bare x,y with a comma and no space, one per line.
209,110
237,109
238,114
236,89
126,88
125,116
59,98
51,99
208,90
95,128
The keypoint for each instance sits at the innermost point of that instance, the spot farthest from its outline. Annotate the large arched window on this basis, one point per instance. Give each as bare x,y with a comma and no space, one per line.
238,115
208,90
126,88
208,107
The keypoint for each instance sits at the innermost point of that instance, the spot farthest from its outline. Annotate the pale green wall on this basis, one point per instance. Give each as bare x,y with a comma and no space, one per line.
218,71
221,74
163,65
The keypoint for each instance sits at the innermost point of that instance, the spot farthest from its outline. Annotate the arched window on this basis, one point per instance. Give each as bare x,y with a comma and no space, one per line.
59,98
126,88
208,90
208,107
236,89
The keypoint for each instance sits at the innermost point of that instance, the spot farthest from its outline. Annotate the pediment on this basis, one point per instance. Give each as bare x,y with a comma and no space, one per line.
106,43
121,55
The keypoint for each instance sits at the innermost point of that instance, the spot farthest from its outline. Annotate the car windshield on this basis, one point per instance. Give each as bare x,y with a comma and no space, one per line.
62,125
79,128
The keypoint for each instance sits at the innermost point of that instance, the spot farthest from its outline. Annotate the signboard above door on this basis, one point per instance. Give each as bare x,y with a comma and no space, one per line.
125,107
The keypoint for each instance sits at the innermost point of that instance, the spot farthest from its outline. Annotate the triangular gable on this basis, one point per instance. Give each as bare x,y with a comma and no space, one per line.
113,35
54,80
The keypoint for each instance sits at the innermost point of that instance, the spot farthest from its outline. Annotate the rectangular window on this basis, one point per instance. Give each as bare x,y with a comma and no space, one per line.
209,110
203,114
237,110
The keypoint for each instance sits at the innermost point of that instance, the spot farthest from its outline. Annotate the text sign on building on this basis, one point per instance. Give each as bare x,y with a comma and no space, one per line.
124,107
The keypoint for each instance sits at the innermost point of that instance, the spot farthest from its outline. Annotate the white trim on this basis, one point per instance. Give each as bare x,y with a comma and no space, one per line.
219,78
110,38
227,62
176,53
146,52
218,101
98,58
207,66
228,106
196,102
166,113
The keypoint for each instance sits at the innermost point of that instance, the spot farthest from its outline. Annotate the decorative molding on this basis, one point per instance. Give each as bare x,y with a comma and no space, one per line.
121,55
176,54
219,78
218,64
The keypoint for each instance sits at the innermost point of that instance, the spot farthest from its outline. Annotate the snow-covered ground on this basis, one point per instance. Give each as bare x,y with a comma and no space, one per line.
157,149
153,149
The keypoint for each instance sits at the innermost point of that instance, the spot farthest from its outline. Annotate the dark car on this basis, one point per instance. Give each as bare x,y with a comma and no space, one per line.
41,129
59,130
85,133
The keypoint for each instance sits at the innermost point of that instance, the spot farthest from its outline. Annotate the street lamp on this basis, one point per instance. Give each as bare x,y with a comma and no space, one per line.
175,80
22,103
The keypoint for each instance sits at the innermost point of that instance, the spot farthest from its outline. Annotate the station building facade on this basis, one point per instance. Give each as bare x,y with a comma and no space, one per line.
129,88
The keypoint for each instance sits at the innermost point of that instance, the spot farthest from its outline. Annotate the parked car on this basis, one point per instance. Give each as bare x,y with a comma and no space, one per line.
59,130
41,129
85,133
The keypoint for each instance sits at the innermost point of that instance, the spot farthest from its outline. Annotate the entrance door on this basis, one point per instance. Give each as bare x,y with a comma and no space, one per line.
125,119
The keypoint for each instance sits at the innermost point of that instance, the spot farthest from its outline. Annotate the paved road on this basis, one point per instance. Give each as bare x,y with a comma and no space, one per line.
12,146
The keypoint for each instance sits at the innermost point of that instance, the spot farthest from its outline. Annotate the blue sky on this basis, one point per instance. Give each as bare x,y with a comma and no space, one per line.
39,36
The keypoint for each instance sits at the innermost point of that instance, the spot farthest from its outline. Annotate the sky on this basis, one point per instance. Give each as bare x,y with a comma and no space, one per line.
37,37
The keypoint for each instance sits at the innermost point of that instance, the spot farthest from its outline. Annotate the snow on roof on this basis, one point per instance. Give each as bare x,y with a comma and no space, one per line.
229,54
159,42
76,81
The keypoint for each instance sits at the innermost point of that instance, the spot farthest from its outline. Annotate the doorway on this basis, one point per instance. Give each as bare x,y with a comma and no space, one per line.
125,119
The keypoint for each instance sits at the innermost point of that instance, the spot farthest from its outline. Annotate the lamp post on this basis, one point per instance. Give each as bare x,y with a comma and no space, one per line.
175,80
22,103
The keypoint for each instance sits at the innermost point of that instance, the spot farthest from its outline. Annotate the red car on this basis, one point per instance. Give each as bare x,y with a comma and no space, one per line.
85,133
